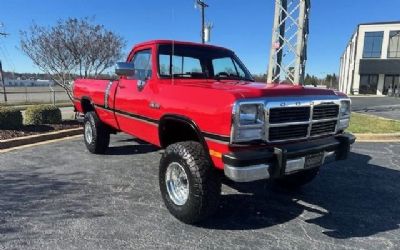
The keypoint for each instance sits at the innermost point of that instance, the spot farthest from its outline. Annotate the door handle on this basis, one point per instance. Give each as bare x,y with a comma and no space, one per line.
121,86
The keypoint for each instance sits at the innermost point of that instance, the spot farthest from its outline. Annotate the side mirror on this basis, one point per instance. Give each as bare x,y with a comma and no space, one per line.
124,69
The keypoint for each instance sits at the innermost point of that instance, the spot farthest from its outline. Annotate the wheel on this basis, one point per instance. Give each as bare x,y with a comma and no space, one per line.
96,134
297,180
189,184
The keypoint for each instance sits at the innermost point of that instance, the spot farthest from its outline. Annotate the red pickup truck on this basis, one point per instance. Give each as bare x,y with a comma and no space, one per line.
201,104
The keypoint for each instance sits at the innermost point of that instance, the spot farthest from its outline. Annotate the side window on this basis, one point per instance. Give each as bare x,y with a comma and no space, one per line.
185,65
164,64
224,66
181,66
142,63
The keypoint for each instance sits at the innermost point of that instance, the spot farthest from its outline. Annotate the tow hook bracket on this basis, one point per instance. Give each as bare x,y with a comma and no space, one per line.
279,166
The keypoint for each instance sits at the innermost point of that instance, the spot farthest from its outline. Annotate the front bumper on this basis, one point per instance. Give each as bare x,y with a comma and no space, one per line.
260,164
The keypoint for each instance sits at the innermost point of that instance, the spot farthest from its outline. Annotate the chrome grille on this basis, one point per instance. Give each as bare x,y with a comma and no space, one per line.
325,111
289,114
288,132
323,128
301,120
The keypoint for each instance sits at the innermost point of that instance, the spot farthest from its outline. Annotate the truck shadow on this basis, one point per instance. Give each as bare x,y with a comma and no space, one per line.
348,199
131,149
130,146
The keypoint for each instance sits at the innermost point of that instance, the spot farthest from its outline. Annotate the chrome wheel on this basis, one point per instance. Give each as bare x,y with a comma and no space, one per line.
88,133
177,183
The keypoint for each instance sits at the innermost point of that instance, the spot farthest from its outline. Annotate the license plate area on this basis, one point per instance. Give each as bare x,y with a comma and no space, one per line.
314,160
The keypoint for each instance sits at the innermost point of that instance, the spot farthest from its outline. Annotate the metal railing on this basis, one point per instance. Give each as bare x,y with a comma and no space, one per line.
34,95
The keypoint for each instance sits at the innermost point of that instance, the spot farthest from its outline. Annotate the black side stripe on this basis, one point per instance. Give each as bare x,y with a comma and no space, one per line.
221,138
139,117
217,137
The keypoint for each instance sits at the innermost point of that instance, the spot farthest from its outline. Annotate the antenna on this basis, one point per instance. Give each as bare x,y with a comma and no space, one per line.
171,67
171,61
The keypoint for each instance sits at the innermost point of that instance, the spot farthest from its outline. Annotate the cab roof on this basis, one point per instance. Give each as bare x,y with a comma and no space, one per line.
152,42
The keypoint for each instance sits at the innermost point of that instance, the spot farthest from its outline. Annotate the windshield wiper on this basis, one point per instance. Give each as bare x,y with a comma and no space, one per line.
233,77
190,74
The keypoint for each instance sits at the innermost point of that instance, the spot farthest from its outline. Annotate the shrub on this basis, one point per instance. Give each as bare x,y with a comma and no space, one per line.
10,118
42,114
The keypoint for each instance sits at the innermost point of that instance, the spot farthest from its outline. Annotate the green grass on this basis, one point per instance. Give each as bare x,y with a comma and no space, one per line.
369,124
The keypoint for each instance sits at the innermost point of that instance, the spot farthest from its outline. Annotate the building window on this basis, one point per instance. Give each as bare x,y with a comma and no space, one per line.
373,44
392,85
394,44
369,84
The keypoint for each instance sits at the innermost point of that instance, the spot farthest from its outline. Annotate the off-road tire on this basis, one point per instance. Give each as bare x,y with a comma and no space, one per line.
204,182
297,180
100,134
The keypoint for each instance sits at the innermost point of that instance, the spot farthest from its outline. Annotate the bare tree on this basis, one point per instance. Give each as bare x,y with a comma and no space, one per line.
71,48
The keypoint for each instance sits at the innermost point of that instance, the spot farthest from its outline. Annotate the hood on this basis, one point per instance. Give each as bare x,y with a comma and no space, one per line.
245,89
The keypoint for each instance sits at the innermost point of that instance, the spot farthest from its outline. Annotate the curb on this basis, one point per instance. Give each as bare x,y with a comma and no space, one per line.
32,139
20,141
393,137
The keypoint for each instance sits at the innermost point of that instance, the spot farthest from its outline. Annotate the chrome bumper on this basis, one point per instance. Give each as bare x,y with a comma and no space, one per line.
262,171
261,164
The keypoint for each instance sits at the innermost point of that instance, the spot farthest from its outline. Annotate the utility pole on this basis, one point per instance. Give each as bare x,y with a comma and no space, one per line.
288,54
2,82
2,73
202,5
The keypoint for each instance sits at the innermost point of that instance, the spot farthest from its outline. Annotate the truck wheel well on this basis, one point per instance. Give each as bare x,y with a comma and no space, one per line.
173,130
86,106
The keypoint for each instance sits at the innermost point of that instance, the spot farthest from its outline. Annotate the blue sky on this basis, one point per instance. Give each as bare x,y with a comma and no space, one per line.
244,26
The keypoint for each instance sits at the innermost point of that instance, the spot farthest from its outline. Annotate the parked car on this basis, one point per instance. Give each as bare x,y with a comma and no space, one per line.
201,105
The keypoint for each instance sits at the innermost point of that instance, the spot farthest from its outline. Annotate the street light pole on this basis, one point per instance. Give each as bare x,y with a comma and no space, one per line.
202,6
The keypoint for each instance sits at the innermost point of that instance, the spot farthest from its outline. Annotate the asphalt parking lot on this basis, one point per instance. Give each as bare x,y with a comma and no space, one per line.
386,107
58,196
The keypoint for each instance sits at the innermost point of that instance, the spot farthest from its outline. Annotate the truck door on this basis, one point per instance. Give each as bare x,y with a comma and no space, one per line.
132,102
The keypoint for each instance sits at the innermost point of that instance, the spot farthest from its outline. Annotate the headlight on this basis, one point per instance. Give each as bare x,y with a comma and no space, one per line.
345,111
251,114
249,122
345,108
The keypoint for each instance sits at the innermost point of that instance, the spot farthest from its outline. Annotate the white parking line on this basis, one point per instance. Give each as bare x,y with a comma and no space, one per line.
39,143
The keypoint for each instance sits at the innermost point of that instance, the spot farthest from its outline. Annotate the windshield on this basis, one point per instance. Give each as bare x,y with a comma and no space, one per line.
191,61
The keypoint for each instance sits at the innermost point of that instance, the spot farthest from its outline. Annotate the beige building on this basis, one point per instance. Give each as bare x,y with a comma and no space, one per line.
371,61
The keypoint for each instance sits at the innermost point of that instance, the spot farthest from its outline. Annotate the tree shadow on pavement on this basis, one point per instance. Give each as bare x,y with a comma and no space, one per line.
29,199
348,199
